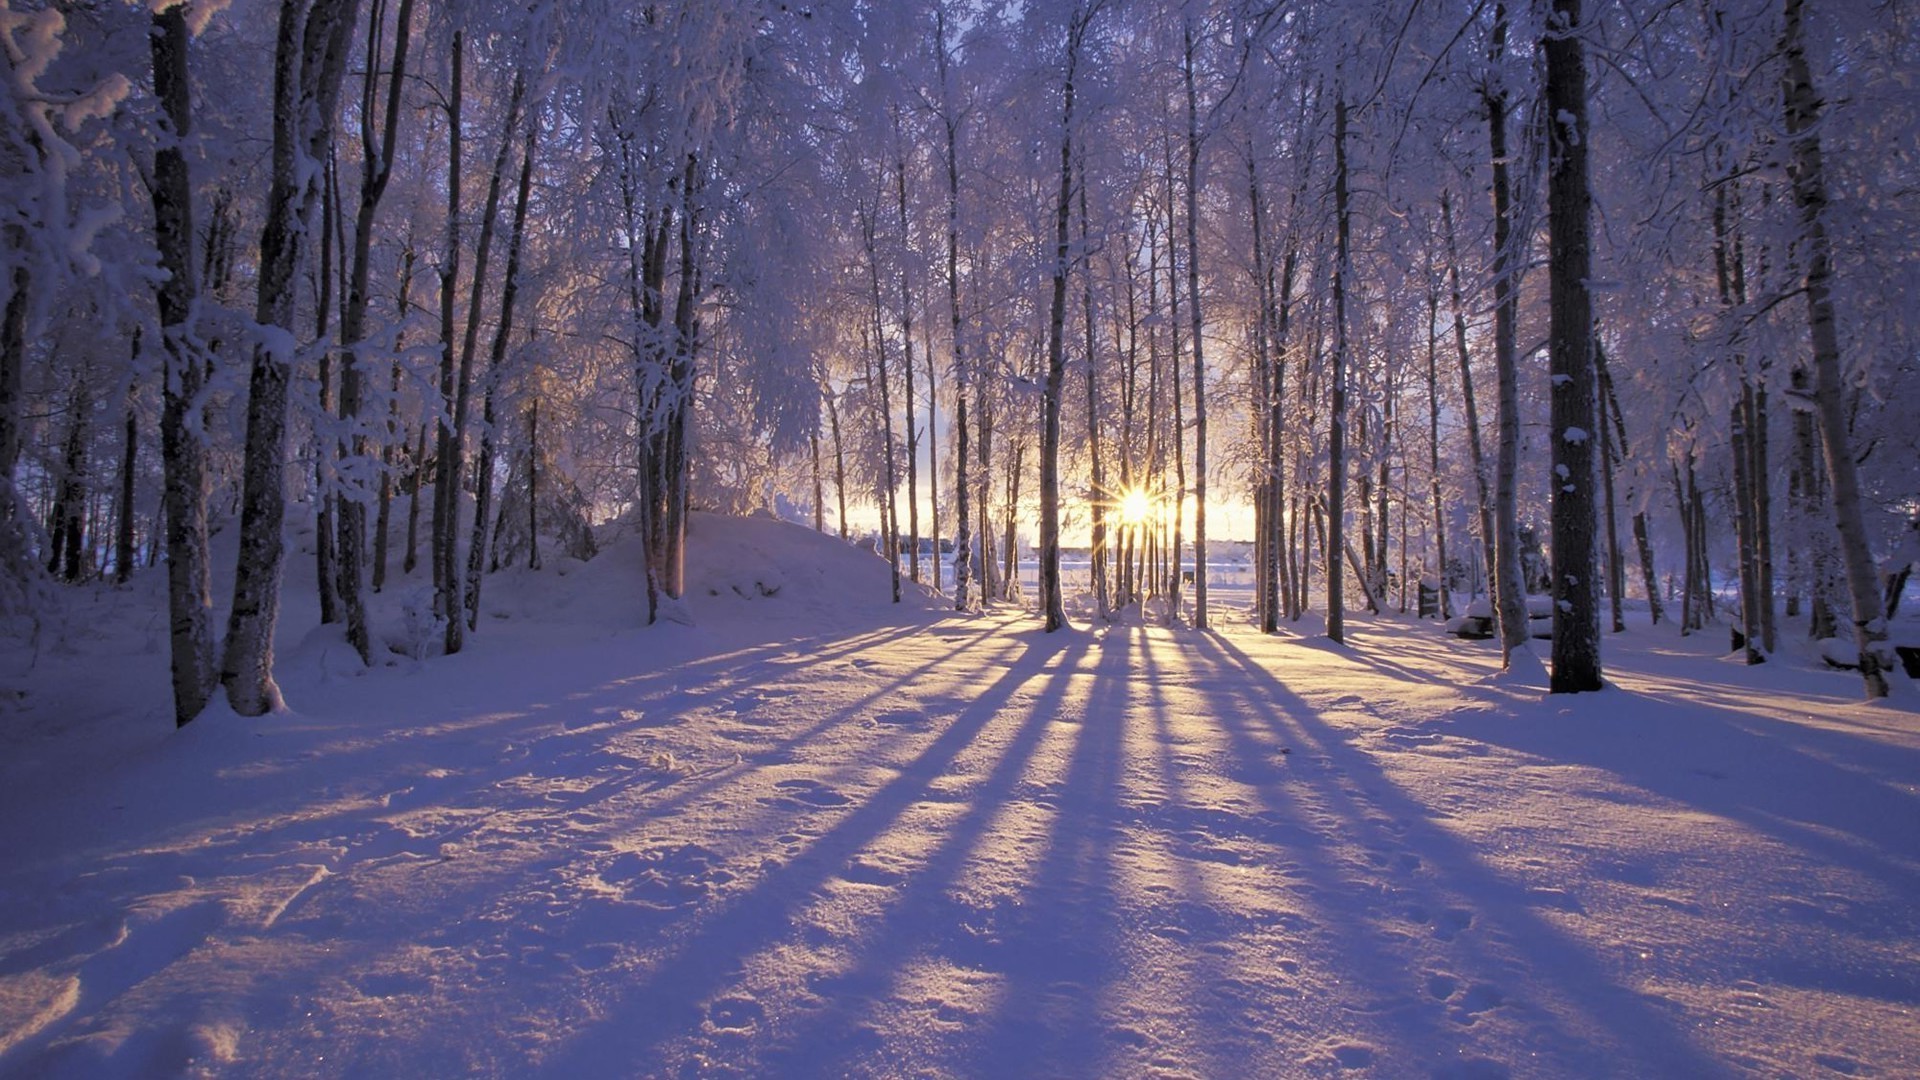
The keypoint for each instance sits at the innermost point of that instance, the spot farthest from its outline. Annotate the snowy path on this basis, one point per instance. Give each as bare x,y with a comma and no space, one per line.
969,849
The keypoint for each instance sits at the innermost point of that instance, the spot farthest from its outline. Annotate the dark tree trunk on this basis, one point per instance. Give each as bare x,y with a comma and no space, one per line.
375,171
1052,603
962,376
183,447
1199,346
310,59
477,557
1802,107
1337,423
123,518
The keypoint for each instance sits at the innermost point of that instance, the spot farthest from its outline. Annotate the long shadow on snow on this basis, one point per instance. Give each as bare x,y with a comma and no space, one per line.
1775,777
1636,1038
666,1002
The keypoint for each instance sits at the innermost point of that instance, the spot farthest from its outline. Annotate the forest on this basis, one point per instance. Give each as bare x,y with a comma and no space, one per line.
1423,286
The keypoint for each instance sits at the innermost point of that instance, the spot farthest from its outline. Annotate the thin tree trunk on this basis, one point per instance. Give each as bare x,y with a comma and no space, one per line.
890,524
533,484
839,463
123,518
1052,602
1199,346
1444,593
376,169
819,488
383,519
1175,576
1616,559
1802,107
446,480
1097,553
1476,454
418,472
325,558
906,368
1337,434
1649,580
1509,589
477,557
453,463
962,376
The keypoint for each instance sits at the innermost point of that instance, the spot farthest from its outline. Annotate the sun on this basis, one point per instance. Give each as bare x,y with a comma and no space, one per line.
1135,507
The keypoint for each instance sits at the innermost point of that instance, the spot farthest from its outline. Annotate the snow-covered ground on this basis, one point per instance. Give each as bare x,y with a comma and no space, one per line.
816,834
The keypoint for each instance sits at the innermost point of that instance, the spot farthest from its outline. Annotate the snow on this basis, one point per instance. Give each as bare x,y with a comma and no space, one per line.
818,834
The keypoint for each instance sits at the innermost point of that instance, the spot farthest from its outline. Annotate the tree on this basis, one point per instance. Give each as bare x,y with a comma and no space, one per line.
1576,616
1806,170
310,57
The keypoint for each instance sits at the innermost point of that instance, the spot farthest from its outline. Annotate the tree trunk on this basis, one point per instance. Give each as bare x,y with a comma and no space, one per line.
68,524
376,169
310,59
183,447
1175,577
906,369
1199,348
839,462
452,466
1616,559
446,479
1576,614
388,444
1509,590
1802,107
1648,579
1337,433
962,376
1097,552
326,562
1052,603
1476,454
890,521
1443,574
496,371
123,518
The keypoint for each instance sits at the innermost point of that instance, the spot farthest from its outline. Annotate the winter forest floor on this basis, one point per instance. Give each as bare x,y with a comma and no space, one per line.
815,834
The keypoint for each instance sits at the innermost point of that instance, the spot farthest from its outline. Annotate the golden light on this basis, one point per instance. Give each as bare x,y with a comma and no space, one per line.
1135,507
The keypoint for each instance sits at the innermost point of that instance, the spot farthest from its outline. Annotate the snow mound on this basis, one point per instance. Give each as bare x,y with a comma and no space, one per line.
758,566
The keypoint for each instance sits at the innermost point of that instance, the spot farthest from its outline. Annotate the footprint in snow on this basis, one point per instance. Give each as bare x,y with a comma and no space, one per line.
866,871
1479,998
667,878
802,792
1451,922
735,1013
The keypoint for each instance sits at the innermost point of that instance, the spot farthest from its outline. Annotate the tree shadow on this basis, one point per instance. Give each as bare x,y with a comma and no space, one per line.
1490,947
